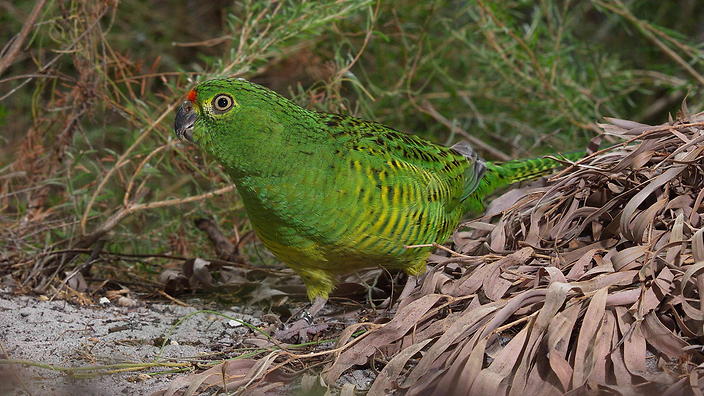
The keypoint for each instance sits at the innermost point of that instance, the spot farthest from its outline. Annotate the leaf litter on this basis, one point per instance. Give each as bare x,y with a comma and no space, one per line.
589,283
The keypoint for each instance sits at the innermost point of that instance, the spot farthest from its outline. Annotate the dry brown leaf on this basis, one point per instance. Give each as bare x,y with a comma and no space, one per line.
662,338
230,375
462,324
585,353
489,380
468,363
390,374
403,321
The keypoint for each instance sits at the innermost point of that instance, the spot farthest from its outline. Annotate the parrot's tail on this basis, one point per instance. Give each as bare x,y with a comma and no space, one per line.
502,174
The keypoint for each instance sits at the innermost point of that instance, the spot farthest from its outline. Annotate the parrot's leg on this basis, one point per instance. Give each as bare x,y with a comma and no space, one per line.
319,284
317,305
417,268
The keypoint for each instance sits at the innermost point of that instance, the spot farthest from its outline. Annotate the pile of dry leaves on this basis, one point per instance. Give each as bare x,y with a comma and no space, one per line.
590,283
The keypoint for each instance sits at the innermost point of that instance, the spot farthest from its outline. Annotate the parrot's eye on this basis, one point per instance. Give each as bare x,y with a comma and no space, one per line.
223,102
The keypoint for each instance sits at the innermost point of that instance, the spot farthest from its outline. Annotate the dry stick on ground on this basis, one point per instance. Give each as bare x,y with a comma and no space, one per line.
217,261
174,299
437,246
114,220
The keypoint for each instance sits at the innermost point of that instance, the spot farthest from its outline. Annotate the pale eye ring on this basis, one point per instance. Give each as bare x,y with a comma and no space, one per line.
223,102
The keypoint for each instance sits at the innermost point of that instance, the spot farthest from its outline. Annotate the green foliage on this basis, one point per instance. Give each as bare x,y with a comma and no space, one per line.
3,115
86,104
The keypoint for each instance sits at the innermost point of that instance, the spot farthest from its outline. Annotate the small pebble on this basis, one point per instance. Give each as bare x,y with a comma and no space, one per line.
126,302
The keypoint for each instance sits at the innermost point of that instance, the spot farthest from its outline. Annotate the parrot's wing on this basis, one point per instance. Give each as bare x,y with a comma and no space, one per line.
448,174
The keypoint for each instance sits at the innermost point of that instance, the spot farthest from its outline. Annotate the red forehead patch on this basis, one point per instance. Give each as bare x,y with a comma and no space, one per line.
191,95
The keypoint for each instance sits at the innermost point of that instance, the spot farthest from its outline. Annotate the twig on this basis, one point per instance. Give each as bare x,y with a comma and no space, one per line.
507,326
121,162
224,249
217,261
84,268
438,246
427,108
56,58
104,369
647,31
293,356
205,43
174,299
6,61
130,184
115,219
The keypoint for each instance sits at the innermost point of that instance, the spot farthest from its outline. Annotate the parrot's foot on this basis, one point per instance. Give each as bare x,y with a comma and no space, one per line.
305,326
301,330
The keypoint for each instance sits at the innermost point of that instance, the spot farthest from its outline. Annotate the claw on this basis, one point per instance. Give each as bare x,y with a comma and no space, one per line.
305,315
304,326
302,329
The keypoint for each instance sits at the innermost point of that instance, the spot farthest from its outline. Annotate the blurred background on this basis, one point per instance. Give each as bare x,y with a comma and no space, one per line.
88,88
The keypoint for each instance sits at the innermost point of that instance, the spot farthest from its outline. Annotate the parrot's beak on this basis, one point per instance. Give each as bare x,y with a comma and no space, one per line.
185,118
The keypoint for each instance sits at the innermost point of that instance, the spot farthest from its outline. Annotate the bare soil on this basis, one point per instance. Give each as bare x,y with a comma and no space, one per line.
66,335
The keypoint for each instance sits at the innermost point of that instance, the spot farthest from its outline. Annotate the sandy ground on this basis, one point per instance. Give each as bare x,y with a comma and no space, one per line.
63,334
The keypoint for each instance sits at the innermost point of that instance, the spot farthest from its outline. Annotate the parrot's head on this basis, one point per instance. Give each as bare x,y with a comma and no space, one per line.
235,120
221,104
213,106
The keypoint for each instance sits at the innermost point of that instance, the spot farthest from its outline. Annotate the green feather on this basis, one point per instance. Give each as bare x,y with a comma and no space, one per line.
331,194
501,174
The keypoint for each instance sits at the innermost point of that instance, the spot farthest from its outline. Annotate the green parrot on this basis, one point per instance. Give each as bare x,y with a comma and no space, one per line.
332,194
